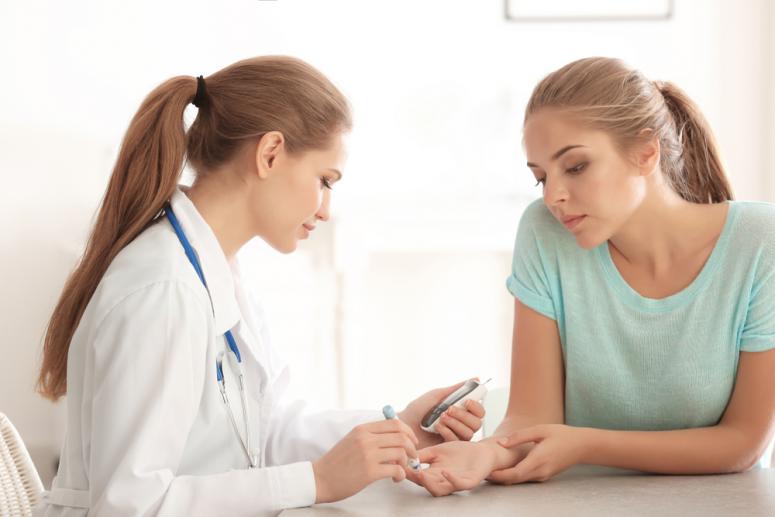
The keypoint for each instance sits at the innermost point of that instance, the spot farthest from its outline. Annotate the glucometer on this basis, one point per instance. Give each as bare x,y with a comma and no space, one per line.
471,389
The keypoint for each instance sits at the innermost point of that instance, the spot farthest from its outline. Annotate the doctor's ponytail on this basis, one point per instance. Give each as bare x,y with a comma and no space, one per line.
239,104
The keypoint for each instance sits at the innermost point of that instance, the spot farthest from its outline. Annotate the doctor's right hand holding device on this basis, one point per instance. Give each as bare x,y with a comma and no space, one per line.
175,397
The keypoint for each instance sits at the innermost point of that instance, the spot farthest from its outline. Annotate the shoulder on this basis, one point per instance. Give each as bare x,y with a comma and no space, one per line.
537,215
539,228
753,229
151,265
755,217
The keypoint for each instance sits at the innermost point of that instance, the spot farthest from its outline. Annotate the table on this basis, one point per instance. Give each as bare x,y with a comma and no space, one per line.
582,491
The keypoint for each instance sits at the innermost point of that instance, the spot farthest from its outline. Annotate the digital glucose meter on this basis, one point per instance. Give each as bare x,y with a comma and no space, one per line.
472,389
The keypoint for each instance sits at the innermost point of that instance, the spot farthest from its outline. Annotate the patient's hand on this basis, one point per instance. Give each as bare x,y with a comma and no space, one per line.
455,466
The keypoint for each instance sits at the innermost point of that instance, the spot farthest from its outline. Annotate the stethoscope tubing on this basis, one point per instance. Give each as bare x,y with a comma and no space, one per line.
232,352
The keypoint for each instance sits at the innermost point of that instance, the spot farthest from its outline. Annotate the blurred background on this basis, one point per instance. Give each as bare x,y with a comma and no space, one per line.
404,290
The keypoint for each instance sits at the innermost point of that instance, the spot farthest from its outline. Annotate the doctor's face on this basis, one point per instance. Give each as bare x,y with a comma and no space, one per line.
588,184
298,197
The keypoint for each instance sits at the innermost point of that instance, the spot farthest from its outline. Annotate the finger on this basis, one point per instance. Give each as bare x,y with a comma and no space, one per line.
436,484
467,418
415,476
519,473
475,408
397,440
427,455
461,431
443,392
393,425
502,477
529,434
391,471
393,455
445,432
459,482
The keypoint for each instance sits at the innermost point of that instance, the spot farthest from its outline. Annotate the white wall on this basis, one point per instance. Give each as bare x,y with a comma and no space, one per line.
404,289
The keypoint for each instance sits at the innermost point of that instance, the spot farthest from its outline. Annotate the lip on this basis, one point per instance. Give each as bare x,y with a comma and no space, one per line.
307,229
571,221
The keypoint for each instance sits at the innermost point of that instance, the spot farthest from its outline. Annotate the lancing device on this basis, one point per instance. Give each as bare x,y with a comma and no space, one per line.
471,389
390,414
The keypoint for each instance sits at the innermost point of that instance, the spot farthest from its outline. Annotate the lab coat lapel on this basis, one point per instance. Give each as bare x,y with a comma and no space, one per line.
230,305
215,267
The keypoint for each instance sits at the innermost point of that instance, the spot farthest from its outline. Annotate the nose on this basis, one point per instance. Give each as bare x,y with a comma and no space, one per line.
323,212
554,192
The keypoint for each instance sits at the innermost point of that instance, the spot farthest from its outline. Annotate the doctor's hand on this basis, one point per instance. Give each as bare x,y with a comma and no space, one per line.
369,452
455,424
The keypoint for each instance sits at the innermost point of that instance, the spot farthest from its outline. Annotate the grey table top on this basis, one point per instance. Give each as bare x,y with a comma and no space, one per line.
583,491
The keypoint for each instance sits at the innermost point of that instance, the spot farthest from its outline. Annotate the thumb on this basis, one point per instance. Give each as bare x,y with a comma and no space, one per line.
427,455
460,482
449,389
443,392
529,434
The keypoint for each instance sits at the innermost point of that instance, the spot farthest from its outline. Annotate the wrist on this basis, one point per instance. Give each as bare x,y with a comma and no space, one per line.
591,442
499,456
322,494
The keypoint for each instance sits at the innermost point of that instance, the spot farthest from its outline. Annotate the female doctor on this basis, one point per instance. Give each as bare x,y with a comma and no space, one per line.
175,396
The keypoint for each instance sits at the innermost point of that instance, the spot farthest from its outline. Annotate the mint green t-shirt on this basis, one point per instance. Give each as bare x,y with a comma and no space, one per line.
635,363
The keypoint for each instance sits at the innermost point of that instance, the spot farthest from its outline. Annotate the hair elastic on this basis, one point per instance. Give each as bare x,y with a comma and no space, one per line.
200,99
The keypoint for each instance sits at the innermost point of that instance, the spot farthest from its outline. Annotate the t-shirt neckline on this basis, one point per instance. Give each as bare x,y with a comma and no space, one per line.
634,298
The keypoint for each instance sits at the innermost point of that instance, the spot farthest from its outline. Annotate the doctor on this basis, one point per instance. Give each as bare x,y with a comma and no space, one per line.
175,398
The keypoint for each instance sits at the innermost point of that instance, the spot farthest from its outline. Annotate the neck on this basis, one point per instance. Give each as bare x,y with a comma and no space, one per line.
662,230
223,206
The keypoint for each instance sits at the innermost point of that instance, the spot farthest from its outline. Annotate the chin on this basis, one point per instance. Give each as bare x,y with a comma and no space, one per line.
284,247
588,242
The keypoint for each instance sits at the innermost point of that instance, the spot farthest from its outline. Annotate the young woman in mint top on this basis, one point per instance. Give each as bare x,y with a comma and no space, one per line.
644,323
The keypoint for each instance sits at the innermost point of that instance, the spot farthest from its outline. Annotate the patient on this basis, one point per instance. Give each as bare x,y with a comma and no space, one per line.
644,312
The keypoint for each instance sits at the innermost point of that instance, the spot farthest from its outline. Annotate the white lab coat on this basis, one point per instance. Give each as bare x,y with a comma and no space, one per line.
147,430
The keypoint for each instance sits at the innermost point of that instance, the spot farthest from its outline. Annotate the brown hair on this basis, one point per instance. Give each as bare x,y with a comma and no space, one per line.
608,95
243,101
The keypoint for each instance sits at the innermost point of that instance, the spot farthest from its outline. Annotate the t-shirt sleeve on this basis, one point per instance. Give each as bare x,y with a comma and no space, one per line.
529,281
758,332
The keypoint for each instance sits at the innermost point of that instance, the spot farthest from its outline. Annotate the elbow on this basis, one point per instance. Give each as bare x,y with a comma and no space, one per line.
740,465
743,448
746,459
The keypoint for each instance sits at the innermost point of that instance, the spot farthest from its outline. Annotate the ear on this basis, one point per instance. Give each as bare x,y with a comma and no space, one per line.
270,146
647,152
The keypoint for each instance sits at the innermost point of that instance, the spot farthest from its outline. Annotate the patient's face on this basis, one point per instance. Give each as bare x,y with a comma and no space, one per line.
588,184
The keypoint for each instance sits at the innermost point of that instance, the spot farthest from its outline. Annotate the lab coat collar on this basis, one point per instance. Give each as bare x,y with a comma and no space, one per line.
216,268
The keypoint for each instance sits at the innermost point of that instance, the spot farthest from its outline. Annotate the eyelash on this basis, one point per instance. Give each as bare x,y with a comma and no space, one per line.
576,169
326,183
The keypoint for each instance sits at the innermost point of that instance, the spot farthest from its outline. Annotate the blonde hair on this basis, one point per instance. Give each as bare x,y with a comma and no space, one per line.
243,101
607,95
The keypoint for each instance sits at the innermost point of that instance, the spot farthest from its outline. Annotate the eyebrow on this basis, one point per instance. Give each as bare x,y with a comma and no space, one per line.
559,153
338,173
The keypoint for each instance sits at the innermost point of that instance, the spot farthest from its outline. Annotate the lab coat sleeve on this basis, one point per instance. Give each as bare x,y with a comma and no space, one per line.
149,368
297,432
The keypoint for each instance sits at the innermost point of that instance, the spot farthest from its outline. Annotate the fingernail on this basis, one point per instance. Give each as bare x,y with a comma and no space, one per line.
503,441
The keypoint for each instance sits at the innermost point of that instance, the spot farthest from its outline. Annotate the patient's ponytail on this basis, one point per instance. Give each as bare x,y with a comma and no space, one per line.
608,95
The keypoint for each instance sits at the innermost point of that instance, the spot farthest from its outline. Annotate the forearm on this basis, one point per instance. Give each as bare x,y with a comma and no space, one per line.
706,450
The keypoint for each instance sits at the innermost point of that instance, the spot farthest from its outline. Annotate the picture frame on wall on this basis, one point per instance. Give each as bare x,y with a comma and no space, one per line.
587,10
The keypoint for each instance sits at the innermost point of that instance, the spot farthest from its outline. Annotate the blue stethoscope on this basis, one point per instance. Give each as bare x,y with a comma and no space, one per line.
233,354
